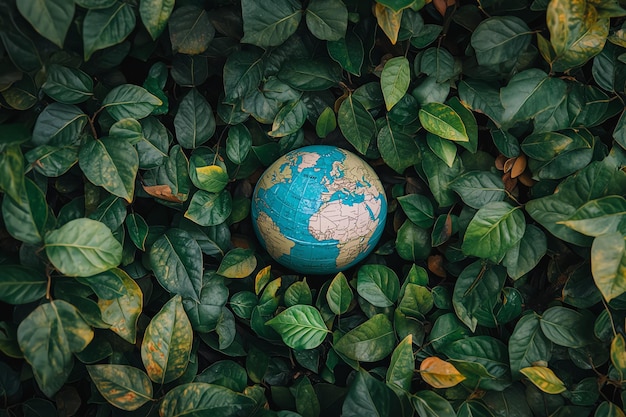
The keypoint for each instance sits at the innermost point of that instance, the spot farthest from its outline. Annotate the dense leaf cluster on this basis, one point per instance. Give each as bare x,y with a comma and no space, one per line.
132,133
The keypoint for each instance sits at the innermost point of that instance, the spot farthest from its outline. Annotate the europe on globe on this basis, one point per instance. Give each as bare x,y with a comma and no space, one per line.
319,209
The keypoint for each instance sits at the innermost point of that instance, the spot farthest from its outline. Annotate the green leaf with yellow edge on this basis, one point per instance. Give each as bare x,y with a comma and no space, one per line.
394,80
443,121
83,247
107,27
124,386
598,217
191,31
202,399
166,344
262,278
389,21
122,311
301,327
439,374
608,264
618,353
609,409
339,295
48,337
402,364
544,379
237,263
368,342
155,15
211,178
209,209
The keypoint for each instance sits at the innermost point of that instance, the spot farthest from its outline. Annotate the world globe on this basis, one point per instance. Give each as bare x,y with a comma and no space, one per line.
319,209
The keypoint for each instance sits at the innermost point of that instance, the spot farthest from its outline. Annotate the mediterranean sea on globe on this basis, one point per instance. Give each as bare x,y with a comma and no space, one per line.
319,209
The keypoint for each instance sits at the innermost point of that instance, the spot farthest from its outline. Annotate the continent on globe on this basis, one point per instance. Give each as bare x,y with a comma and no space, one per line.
319,209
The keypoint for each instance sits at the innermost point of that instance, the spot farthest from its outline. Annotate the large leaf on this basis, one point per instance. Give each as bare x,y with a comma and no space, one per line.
124,386
327,19
394,80
439,373
431,404
107,27
608,264
544,379
155,14
130,101
499,39
263,26
176,259
242,73
166,344
528,344
120,302
190,29
300,326
598,217
110,163
51,18
566,327
368,396
368,342
478,188
200,398
59,124
495,229
443,121
68,85
48,337
378,284
339,295
194,121
83,247
356,124
28,218
20,284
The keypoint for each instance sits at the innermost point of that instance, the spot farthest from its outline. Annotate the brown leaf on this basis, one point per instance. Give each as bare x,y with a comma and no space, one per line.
435,265
389,21
519,166
442,5
500,160
164,192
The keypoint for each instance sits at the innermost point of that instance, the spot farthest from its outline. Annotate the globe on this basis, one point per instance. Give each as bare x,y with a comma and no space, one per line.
319,209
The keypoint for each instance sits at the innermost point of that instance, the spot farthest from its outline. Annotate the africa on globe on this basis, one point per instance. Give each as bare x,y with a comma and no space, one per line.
319,209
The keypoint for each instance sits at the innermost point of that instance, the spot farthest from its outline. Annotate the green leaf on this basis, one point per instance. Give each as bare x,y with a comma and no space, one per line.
528,344
166,344
176,260
389,21
269,27
356,124
129,130
289,119
608,409
130,101
155,14
83,247
137,230
107,27
378,284
107,285
413,243
546,146
301,327
242,73
52,161
443,121
400,371
12,172
369,396
21,285
444,149
439,177
238,143
122,310
369,342
237,263
310,74
326,123
397,148
348,52
394,80
499,39
525,255
544,379
51,18
194,121
27,219
598,217
493,230
211,178
48,337
418,209
339,295
478,188
209,209
191,31
430,404
59,124
438,64
482,97
608,264
566,327
124,386
200,398
484,354
67,85
110,163
327,19
619,133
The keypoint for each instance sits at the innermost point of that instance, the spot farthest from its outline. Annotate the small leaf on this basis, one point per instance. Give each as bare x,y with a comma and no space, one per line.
237,263
238,143
378,284
339,295
439,373
107,27
394,80
356,124
368,342
526,254
137,230
400,371
618,353
398,148
83,247
211,178
289,119
301,327
326,123
430,404
608,264
194,121
443,121
418,209
21,285
477,188
124,386
544,379
348,52
166,344
130,101
191,31
155,14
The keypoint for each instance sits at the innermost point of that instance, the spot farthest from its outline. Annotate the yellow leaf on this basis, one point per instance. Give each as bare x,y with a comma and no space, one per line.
618,354
544,379
389,21
439,373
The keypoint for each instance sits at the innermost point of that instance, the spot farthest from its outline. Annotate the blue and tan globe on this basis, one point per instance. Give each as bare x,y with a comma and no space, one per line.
319,209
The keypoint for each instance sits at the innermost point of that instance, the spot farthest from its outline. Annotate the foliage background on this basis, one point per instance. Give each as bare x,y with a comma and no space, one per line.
132,133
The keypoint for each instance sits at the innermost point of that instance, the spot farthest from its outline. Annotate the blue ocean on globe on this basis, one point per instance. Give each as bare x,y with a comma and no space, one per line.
319,209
